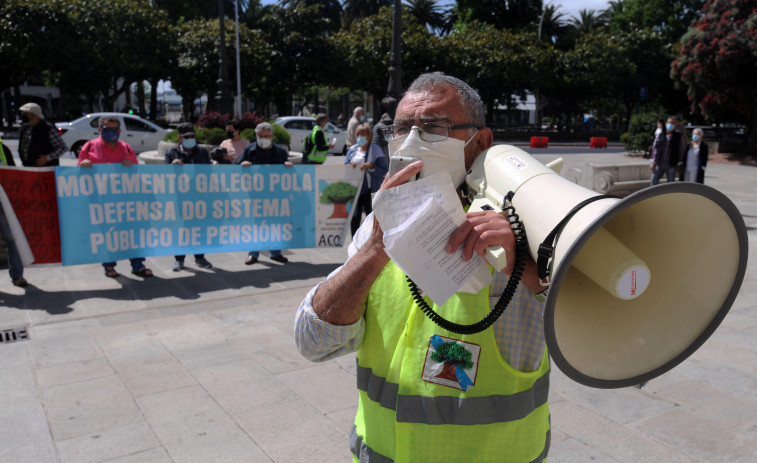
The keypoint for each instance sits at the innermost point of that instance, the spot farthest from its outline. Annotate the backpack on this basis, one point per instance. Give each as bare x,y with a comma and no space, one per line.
307,147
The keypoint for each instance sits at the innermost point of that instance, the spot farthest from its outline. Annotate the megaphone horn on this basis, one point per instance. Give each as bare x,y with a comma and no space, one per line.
636,284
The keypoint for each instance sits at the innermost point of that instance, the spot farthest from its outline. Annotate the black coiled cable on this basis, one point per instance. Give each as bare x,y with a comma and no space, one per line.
507,295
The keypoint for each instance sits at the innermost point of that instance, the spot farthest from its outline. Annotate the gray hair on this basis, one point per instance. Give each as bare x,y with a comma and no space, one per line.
357,110
263,126
473,107
103,119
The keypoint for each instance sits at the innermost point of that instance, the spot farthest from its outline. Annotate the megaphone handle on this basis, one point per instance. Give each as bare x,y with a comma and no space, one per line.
497,257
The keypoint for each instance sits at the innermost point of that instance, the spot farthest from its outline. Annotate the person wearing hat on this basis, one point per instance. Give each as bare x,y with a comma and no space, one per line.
188,152
108,149
39,143
15,264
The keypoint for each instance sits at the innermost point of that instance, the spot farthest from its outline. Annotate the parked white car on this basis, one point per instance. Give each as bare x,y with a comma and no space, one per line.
299,127
142,135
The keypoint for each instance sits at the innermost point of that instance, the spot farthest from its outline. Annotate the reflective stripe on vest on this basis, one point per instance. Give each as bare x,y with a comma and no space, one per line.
453,410
363,454
3,161
315,155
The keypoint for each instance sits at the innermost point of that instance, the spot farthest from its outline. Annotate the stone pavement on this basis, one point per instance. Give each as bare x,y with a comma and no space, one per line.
200,366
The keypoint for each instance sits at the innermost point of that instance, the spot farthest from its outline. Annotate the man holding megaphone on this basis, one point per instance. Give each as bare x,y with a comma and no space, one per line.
427,393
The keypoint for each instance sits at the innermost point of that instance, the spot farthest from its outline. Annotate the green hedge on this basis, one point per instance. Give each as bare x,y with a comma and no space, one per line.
215,136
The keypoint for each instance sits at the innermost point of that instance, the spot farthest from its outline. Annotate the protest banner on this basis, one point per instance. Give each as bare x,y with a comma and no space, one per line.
31,194
111,212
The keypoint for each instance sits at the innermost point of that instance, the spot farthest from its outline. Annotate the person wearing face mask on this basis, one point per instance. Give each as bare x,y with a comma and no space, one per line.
695,159
405,414
263,151
358,117
188,152
368,157
234,144
669,150
108,149
39,143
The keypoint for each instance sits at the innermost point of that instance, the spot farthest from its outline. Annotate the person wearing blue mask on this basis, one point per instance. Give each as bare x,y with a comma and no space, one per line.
669,150
695,158
188,152
368,157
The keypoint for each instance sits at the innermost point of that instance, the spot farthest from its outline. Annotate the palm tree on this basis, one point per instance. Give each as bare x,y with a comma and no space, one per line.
587,20
614,7
330,9
552,24
354,9
428,12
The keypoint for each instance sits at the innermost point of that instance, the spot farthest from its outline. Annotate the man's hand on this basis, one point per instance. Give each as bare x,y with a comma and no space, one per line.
481,230
41,161
86,163
288,164
127,163
246,164
178,161
366,165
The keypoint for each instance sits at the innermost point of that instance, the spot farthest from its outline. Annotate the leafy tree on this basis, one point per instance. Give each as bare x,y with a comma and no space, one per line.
30,31
197,53
498,63
300,53
668,17
329,9
718,63
504,14
364,49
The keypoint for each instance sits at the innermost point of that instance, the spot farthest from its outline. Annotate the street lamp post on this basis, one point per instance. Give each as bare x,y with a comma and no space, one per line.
223,97
394,89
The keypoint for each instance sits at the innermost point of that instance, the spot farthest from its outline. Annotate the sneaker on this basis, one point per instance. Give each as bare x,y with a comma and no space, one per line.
178,265
20,282
280,258
203,262
250,260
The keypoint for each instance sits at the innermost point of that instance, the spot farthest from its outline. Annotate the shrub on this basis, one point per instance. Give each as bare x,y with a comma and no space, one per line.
280,135
640,133
172,136
212,119
212,136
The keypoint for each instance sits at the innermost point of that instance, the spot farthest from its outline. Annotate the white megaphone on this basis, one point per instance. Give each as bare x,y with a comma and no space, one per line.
636,285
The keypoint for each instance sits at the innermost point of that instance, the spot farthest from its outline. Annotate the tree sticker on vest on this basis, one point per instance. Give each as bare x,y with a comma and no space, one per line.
451,362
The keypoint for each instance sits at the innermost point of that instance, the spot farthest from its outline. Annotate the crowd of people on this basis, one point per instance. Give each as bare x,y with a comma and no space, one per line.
40,145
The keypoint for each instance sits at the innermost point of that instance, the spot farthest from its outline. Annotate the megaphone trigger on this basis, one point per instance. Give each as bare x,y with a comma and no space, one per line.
496,256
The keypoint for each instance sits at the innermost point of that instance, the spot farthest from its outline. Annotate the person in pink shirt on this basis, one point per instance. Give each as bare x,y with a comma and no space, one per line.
233,144
108,149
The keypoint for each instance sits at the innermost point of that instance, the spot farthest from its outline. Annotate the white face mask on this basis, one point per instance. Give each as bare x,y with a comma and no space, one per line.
264,143
437,156
658,131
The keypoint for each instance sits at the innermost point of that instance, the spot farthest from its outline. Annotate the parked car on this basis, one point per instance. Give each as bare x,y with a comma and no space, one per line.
299,127
142,135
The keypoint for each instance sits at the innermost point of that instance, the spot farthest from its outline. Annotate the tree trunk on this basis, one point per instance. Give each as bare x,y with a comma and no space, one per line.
448,373
340,211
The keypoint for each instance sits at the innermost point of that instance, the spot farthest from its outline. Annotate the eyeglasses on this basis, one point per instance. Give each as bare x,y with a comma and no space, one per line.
428,131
